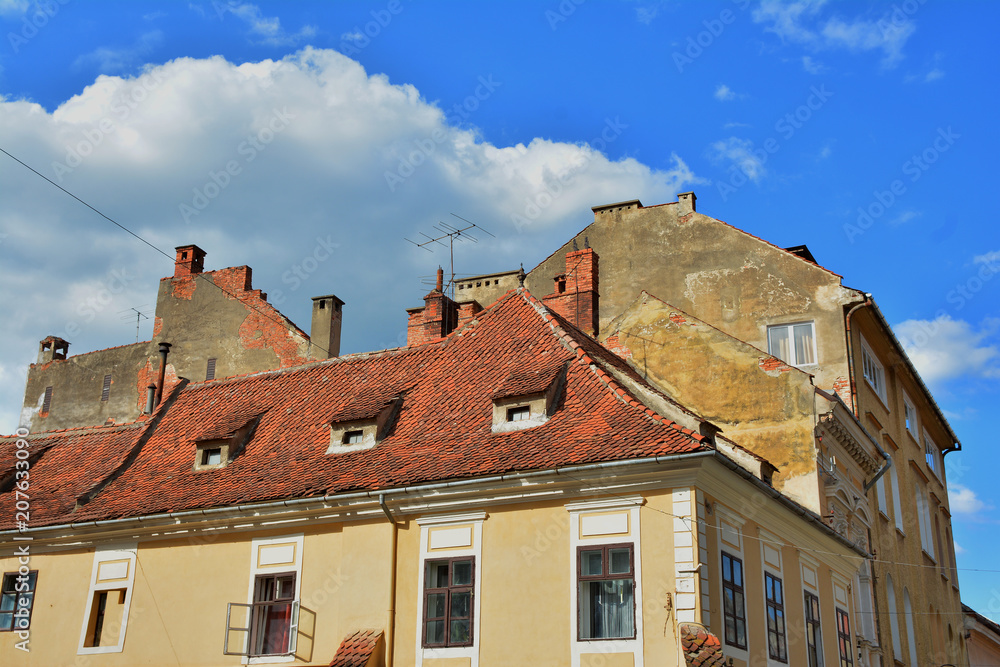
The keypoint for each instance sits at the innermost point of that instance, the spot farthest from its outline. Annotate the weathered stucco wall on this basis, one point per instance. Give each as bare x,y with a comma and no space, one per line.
761,403
713,271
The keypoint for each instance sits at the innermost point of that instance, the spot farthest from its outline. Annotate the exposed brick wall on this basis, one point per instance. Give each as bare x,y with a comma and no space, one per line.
576,296
436,319
466,311
773,364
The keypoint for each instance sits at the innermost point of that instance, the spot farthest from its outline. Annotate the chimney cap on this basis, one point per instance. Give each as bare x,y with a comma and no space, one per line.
331,297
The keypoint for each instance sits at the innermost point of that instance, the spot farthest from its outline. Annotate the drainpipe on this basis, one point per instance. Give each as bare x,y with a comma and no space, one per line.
850,351
390,632
164,350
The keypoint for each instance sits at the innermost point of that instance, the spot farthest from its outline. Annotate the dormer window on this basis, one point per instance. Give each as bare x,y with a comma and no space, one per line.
219,446
527,398
519,413
363,426
212,455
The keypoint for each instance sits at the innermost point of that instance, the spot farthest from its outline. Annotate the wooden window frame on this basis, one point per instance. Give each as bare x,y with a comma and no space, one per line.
260,604
448,590
17,595
814,630
776,604
844,647
605,575
739,615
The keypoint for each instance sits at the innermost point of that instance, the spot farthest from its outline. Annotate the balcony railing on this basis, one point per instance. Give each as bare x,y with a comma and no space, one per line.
268,628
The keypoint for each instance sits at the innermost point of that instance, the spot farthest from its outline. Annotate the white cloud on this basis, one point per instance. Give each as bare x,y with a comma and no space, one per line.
14,6
934,75
739,153
647,11
355,36
732,124
991,259
959,550
265,29
944,348
811,66
826,151
724,93
355,158
800,23
905,217
963,500
110,60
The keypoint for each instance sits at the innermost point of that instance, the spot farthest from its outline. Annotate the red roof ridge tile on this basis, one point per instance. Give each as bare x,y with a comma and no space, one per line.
63,431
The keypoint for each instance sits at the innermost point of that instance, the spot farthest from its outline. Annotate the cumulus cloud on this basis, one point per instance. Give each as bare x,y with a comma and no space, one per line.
964,500
738,154
258,163
724,93
812,66
944,348
801,22
109,60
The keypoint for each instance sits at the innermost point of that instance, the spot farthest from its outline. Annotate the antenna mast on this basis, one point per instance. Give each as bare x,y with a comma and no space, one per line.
450,232
138,317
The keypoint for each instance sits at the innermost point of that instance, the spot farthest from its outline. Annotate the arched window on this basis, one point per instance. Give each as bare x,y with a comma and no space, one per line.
911,635
890,596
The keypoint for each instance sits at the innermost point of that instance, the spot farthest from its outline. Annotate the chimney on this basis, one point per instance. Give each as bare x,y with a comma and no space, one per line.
575,294
436,319
190,261
685,203
324,335
52,348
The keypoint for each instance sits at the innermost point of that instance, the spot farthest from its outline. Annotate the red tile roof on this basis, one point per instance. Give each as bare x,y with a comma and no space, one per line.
357,649
443,429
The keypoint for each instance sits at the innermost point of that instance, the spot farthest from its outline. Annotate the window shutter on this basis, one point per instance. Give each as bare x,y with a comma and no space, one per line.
210,373
106,390
47,403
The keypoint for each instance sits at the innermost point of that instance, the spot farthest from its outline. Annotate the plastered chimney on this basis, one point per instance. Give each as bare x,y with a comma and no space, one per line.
685,203
324,335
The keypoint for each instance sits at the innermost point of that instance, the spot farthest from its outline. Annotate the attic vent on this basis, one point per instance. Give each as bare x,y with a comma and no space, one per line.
363,427
47,401
210,372
218,447
106,389
527,398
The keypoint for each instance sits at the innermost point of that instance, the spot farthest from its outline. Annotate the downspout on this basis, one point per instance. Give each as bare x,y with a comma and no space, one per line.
850,351
390,632
164,350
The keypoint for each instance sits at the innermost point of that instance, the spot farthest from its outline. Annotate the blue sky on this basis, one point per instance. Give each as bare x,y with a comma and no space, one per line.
863,129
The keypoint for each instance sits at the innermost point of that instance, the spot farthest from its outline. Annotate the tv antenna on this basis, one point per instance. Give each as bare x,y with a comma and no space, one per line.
139,316
450,232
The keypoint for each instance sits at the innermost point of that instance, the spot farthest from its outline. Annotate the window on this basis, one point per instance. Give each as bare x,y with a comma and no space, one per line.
910,632
883,506
353,437
271,618
814,635
897,505
17,597
606,596
909,415
734,607
777,645
106,613
890,597
873,371
793,343
448,595
210,370
924,519
106,388
518,414
212,454
931,454
844,639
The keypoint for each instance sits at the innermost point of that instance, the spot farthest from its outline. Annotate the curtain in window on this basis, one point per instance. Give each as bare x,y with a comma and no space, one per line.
777,343
607,609
803,334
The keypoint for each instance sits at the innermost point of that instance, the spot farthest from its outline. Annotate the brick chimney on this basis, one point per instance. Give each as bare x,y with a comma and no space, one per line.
190,260
324,336
437,318
52,348
575,295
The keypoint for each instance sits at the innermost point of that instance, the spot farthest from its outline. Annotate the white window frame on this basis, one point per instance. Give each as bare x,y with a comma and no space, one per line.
295,565
733,526
631,505
773,564
791,343
897,506
120,554
809,568
868,359
911,425
932,455
924,519
883,503
453,548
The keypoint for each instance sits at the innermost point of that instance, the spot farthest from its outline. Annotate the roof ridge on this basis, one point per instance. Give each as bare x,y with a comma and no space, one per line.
777,247
61,431
563,335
